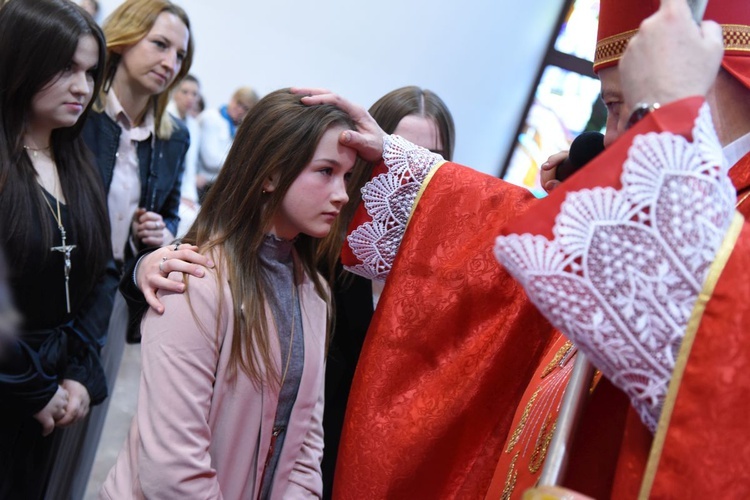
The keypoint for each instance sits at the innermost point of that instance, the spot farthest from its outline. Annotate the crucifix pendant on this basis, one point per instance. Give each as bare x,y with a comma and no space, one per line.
65,250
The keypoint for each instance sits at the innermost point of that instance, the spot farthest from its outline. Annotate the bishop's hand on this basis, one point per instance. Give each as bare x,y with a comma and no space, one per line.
367,139
671,57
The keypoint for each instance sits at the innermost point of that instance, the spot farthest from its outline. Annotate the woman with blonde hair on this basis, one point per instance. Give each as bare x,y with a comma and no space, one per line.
231,396
139,147
140,153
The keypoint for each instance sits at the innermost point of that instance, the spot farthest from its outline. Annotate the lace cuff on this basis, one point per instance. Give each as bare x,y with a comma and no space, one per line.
626,267
389,199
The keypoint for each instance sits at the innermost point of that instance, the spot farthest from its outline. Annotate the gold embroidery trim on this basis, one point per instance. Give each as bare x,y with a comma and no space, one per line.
555,363
522,422
714,273
542,443
611,48
736,37
595,380
510,479
422,188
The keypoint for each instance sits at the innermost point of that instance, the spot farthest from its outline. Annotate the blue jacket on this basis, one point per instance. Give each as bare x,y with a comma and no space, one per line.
160,169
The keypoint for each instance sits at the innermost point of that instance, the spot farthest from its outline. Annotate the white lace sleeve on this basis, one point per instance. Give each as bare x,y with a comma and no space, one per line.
388,199
625,267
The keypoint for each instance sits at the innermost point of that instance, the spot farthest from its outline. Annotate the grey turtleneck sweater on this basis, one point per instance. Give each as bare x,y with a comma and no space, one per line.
278,263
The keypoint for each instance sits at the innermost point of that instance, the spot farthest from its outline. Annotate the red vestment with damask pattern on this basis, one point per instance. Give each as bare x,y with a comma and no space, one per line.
449,352
593,464
702,450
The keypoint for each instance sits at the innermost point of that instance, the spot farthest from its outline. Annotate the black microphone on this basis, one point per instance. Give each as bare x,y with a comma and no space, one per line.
584,148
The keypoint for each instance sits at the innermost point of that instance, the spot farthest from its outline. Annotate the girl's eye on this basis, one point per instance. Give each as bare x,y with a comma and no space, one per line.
160,44
347,177
326,171
180,56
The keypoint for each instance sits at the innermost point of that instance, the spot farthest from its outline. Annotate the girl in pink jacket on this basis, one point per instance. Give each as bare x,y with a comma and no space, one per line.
231,396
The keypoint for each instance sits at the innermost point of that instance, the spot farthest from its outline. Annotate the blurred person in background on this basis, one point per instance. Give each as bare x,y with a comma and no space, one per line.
92,7
217,129
183,105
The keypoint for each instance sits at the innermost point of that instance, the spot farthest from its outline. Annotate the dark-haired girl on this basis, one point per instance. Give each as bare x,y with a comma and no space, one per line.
54,230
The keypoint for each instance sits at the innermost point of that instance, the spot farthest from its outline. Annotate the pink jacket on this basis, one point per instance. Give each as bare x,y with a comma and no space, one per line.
196,434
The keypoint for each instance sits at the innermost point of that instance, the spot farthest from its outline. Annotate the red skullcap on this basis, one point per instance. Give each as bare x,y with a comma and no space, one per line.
619,20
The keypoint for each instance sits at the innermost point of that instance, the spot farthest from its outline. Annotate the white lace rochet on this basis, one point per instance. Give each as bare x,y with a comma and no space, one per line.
388,199
625,267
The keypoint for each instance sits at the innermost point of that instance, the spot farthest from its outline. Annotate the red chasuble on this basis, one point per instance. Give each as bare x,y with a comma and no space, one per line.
597,446
525,450
449,352
700,447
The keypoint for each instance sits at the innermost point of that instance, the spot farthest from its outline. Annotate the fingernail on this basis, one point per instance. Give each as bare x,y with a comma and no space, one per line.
346,137
210,263
545,165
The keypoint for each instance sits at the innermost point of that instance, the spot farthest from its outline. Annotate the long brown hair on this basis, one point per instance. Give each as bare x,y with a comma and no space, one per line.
126,26
388,111
277,138
38,40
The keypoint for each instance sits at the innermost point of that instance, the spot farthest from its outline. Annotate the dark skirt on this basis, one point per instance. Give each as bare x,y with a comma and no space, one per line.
26,457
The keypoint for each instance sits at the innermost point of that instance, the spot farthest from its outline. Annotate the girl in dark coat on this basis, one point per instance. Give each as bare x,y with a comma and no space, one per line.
52,218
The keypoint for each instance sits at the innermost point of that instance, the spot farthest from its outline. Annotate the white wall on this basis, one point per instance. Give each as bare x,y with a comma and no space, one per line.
480,56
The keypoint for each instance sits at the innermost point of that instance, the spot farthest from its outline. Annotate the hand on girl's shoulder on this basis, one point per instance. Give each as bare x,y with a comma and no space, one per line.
200,314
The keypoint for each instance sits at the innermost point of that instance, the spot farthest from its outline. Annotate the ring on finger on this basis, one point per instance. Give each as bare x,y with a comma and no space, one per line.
161,264
176,245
